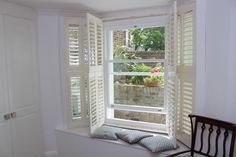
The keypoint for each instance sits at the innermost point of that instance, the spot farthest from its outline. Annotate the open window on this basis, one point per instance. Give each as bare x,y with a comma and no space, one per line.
136,73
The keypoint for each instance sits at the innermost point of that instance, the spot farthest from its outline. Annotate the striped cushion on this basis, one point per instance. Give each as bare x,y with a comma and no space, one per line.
157,143
132,136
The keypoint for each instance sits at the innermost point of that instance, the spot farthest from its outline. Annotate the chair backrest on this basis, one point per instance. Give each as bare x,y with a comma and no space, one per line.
215,136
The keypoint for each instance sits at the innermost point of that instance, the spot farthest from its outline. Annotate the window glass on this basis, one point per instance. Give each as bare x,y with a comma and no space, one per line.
137,73
140,116
75,97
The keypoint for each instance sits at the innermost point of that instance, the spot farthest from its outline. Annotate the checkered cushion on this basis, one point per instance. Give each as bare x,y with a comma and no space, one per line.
157,143
132,136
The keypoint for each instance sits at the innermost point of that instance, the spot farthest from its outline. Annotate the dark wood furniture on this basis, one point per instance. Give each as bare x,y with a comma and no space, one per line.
215,138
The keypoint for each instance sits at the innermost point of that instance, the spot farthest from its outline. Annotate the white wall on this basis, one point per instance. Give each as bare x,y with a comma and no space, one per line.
48,40
232,64
220,60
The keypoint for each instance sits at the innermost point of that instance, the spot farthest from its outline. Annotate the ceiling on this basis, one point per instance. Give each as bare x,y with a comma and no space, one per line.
92,5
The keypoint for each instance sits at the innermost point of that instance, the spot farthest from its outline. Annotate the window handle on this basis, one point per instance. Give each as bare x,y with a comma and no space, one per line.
7,116
13,115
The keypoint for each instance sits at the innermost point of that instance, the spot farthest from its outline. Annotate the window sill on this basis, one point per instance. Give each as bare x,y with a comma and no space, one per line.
84,132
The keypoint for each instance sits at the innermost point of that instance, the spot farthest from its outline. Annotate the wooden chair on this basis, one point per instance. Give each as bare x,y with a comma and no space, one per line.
211,131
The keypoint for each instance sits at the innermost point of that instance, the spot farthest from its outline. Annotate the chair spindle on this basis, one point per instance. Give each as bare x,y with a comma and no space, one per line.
202,133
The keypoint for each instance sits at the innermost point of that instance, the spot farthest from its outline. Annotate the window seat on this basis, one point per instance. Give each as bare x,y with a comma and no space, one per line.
77,143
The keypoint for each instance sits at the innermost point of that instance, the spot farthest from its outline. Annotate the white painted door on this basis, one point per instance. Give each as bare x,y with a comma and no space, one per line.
23,86
5,145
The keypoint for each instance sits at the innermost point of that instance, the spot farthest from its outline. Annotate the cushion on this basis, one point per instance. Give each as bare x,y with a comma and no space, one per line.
132,136
106,132
157,143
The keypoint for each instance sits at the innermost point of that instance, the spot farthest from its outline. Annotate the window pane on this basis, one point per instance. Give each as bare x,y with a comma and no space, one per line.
75,97
140,116
139,43
137,73
132,90
138,83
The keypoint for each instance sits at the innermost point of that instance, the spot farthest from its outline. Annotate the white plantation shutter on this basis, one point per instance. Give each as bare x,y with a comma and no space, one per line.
75,73
172,91
186,72
96,78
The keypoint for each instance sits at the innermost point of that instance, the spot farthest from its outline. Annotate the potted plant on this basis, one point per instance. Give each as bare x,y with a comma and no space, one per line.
154,80
151,81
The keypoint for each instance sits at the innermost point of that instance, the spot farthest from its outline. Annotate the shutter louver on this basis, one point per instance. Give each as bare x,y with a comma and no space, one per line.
185,74
73,44
92,48
187,106
172,91
96,81
100,97
93,100
99,45
188,38
178,39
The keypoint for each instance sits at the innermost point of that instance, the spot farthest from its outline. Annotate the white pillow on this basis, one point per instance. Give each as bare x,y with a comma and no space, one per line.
157,143
132,136
106,132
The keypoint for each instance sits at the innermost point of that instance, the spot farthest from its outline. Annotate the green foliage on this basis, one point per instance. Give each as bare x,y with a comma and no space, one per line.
152,79
141,68
140,80
120,53
148,38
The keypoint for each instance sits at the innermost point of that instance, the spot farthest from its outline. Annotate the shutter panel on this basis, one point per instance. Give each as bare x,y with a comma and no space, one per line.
96,78
186,74
171,74
75,73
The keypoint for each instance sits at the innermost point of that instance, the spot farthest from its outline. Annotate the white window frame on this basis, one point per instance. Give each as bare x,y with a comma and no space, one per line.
155,21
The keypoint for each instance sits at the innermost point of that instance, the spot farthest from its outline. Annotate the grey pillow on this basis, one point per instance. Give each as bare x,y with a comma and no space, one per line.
132,136
106,132
157,143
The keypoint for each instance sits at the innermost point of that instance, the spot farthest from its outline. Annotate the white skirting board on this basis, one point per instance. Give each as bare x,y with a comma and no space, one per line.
51,154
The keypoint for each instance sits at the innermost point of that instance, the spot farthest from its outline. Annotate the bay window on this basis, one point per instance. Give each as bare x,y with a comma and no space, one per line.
135,73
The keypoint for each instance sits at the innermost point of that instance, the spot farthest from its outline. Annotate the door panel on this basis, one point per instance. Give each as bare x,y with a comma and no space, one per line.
20,62
25,134
2,95
23,86
5,145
